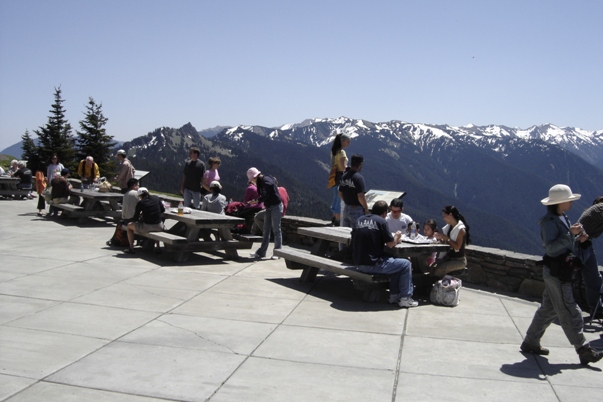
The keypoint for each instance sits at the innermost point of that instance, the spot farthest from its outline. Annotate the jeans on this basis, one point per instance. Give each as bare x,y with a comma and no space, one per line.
350,215
399,271
195,196
272,219
591,276
557,302
336,204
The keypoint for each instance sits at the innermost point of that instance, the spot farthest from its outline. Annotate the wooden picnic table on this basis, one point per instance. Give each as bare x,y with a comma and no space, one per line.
324,236
195,231
8,187
338,234
93,203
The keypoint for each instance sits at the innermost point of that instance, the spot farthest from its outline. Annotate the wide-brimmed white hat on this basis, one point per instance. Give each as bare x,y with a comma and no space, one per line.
560,193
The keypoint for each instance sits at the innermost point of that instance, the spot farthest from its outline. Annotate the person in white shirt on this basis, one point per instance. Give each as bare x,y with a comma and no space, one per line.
396,219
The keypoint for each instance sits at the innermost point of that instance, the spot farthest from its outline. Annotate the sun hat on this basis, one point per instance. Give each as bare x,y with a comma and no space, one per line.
142,190
215,183
558,194
252,173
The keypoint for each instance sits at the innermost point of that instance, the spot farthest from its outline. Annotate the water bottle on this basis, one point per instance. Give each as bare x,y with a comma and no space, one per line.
413,231
180,209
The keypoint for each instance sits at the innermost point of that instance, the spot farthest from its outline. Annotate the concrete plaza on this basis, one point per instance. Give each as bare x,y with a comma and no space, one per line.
80,321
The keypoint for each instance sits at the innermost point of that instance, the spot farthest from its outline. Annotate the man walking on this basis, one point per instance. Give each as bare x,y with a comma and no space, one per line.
192,178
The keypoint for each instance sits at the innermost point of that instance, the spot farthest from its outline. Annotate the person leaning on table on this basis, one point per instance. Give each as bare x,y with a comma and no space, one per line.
368,238
151,208
559,238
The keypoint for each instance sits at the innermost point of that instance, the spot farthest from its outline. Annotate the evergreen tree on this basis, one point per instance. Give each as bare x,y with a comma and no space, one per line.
30,152
55,136
93,140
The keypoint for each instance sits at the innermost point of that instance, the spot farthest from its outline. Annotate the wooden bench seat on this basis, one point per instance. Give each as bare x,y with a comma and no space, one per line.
165,237
68,207
247,237
182,247
311,264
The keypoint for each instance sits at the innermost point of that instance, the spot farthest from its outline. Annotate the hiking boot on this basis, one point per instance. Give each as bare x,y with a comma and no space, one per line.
408,302
589,355
394,299
537,350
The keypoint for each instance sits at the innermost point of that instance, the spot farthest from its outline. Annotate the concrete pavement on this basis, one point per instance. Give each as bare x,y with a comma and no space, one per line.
81,321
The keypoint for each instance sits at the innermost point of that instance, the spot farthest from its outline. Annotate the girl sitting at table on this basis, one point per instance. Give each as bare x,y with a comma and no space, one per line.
456,235
214,201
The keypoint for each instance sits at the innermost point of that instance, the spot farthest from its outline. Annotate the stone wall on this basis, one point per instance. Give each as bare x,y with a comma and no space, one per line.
498,269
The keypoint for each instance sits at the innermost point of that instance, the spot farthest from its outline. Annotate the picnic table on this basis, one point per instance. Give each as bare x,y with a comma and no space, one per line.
199,231
8,187
318,259
325,235
93,203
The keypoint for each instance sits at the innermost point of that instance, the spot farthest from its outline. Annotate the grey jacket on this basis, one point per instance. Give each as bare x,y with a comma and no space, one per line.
556,237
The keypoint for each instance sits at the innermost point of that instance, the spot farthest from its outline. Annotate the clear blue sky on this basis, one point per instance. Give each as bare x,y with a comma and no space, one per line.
164,63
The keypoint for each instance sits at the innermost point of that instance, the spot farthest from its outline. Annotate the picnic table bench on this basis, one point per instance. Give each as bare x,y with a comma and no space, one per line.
92,204
193,233
9,189
311,264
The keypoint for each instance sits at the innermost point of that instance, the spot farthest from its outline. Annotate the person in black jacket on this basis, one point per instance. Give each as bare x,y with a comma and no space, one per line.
269,195
147,217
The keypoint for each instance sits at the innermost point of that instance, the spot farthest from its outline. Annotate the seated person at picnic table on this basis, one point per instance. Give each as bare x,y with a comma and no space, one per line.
88,171
129,202
14,166
60,190
25,175
397,220
456,234
368,238
214,201
247,208
147,217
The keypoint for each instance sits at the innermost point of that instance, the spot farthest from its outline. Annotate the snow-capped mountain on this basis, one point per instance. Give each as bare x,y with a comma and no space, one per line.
496,175
320,132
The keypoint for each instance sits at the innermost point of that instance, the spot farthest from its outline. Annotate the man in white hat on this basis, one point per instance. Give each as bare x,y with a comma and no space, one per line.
560,238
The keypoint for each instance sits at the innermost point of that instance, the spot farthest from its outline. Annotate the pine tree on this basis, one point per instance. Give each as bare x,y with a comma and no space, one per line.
30,152
55,136
93,140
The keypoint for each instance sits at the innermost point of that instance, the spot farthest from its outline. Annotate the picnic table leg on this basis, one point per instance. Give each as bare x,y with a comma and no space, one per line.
308,274
321,247
226,234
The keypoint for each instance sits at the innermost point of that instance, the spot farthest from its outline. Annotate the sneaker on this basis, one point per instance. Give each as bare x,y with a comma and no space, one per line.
275,257
129,251
408,302
394,299
256,255
589,355
537,350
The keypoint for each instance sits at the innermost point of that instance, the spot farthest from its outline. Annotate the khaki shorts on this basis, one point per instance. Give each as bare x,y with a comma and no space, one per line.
141,227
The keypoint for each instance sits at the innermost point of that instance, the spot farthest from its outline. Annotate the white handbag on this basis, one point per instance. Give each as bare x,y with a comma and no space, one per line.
445,292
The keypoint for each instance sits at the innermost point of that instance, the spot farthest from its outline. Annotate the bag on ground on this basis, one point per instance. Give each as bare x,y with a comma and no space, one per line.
47,194
120,237
445,292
